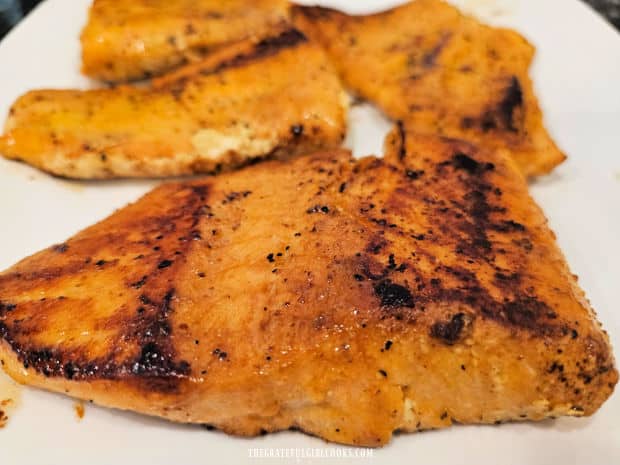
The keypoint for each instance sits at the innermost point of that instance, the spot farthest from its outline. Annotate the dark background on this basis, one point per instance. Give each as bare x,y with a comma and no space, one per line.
608,8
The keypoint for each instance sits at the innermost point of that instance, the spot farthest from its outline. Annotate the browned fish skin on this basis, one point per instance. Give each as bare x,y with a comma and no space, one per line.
445,73
346,298
276,97
141,38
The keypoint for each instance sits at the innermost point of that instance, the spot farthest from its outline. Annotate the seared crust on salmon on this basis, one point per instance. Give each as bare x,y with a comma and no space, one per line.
442,72
345,298
140,38
277,97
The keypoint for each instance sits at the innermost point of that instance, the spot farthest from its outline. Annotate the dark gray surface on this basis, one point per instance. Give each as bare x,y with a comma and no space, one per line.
608,8
10,15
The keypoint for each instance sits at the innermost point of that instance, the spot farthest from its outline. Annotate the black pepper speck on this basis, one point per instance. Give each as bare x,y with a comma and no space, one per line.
164,264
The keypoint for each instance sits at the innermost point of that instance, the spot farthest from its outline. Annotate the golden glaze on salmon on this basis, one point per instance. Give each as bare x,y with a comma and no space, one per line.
278,97
345,298
140,38
442,72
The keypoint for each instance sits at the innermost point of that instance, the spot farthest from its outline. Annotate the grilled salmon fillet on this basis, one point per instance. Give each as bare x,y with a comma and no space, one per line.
140,38
443,72
277,97
345,298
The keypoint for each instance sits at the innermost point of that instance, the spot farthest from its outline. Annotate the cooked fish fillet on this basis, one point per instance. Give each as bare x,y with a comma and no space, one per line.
346,298
443,72
273,98
140,38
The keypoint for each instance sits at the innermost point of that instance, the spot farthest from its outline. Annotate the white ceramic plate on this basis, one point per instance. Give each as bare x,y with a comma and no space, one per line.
577,75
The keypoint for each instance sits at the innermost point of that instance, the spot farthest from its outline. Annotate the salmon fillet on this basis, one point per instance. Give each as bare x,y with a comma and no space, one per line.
277,97
345,298
140,38
442,72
